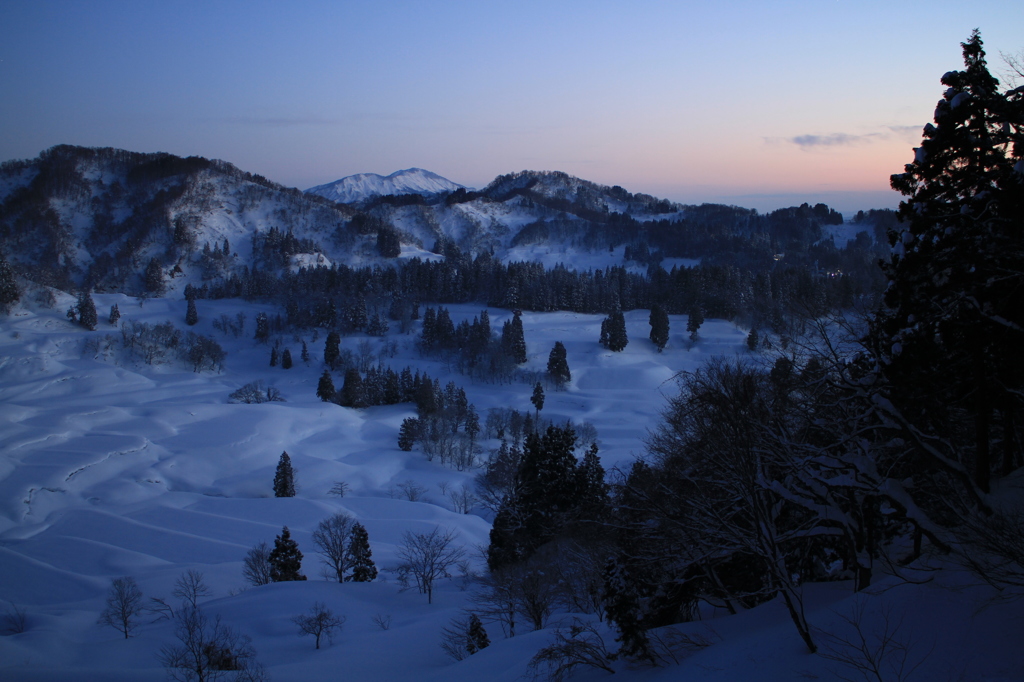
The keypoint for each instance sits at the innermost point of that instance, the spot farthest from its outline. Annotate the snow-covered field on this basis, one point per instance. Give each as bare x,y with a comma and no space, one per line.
112,468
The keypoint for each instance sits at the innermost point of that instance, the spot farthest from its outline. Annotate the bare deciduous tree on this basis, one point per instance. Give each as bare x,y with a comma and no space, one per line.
124,604
207,651
331,537
428,557
256,568
189,587
319,622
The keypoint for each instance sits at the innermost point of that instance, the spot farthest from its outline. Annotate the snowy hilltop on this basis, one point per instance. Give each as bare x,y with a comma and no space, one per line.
356,188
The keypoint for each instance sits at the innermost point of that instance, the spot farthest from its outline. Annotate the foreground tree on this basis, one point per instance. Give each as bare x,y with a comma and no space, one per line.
953,323
123,607
284,477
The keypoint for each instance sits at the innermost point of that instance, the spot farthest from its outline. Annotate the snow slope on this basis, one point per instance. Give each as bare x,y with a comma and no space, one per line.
110,468
362,186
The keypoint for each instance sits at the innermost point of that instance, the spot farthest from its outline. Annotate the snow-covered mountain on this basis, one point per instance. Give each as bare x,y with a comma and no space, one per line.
356,188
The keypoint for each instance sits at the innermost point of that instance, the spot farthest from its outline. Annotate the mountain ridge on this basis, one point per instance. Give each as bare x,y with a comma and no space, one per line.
362,186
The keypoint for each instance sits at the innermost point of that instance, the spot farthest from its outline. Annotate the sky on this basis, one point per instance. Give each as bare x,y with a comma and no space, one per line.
746,102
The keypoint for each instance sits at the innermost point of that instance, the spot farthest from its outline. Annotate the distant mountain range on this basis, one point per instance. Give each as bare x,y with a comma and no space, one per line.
101,218
356,188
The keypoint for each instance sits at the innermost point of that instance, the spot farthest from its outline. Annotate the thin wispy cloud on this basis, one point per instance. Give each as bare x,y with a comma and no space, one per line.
833,140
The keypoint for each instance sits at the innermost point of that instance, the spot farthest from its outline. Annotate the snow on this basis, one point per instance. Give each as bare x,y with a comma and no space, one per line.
366,185
112,468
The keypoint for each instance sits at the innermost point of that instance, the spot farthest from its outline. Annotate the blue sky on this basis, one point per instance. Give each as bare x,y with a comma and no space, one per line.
760,104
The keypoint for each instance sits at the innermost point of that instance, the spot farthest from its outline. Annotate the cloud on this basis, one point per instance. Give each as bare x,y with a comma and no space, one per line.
833,140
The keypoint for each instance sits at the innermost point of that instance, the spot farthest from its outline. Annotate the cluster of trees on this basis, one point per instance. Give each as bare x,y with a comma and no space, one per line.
471,346
613,331
446,426
384,386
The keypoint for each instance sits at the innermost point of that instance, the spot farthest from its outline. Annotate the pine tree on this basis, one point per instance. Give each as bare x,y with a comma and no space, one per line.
513,342
332,349
659,327
284,477
950,333
305,352
407,433
352,390
285,559
613,332
115,315
753,339
262,327
476,635
325,389
154,278
191,314
360,558
694,321
538,398
9,290
86,307
273,357
286,359
558,366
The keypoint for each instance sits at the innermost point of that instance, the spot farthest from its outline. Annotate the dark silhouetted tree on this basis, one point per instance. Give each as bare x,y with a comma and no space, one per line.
325,388
285,559
659,327
191,314
86,307
284,477
359,556
286,359
558,366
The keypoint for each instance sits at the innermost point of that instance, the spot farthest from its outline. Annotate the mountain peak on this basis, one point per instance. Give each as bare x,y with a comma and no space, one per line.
367,185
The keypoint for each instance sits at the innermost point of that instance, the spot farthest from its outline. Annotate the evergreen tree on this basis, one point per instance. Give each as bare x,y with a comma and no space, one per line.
352,390
951,329
558,366
694,320
115,315
753,339
9,290
154,278
360,558
538,398
285,558
191,314
286,359
407,433
513,342
325,389
262,327
273,357
332,349
659,327
284,477
305,352
476,635
545,494
613,332
86,307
